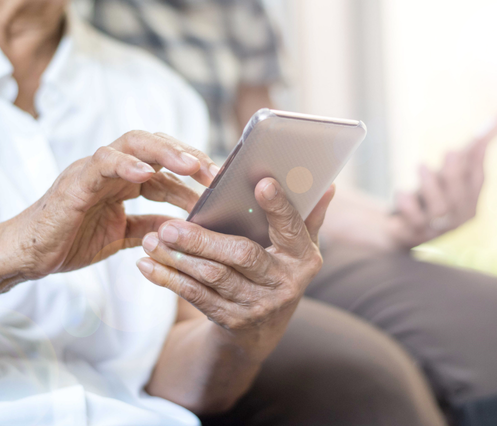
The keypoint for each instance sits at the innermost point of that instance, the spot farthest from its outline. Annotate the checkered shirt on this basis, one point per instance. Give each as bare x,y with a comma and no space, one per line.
216,45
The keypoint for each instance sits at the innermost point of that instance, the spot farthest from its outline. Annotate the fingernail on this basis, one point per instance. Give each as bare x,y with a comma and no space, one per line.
269,192
189,159
214,170
145,265
150,242
144,167
169,234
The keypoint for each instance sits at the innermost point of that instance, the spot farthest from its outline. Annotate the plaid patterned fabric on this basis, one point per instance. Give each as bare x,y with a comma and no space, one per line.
215,44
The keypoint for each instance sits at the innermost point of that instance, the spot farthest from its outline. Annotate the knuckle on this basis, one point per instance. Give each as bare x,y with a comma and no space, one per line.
199,297
315,261
281,207
245,254
133,136
196,242
195,295
217,315
168,140
234,322
293,226
172,178
247,317
102,154
162,135
289,295
259,313
214,274
195,152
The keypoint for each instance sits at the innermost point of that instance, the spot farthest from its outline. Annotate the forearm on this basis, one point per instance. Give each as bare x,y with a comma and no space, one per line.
356,218
206,369
14,261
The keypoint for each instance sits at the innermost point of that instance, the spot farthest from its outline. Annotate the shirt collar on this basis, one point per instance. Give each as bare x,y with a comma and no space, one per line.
8,87
6,67
56,66
78,47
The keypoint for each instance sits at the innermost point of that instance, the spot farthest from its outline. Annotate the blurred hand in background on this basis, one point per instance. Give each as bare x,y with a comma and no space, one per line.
446,199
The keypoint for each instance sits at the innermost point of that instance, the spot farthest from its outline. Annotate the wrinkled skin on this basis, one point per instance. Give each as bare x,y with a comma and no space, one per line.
81,219
232,280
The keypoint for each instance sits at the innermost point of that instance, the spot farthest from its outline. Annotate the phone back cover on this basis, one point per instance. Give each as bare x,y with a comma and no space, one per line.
304,156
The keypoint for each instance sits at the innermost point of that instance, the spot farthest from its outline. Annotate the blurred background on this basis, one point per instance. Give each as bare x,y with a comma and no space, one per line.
421,74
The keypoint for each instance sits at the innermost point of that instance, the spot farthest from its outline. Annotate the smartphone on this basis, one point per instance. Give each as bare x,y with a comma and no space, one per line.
303,153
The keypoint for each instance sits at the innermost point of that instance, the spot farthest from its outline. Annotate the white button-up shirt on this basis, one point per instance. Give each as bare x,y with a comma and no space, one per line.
78,348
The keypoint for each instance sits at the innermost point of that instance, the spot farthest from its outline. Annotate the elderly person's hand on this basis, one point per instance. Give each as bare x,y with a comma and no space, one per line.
81,219
249,292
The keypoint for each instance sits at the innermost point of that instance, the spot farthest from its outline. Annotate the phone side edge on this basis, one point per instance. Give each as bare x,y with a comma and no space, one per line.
318,118
259,116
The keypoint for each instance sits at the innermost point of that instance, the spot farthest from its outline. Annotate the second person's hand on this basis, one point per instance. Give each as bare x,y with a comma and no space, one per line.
446,199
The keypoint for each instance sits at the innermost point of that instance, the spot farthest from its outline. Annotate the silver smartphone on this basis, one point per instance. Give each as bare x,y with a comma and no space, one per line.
303,153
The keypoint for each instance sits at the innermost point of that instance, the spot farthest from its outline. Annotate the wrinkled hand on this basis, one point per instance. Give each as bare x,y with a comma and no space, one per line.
235,282
446,200
81,219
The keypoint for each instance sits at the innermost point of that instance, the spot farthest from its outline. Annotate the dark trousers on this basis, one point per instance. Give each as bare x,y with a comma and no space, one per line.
392,342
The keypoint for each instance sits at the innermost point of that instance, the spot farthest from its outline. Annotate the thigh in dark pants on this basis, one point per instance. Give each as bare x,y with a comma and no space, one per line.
445,318
332,369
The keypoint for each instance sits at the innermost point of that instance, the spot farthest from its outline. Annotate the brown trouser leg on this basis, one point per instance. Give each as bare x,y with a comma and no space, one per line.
332,369
446,318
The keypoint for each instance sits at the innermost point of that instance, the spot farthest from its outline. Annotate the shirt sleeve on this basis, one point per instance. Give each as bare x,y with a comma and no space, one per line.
254,41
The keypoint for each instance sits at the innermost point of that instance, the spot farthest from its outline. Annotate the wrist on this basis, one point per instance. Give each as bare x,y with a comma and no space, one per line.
365,223
400,237
254,343
16,264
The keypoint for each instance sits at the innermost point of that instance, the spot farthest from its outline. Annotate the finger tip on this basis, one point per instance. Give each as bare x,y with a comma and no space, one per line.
184,169
145,265
148,239
168,222
263,183
147,235
138,178
214,170
192,171
175,228
328,195
267,191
